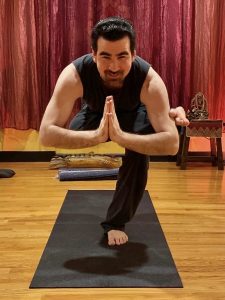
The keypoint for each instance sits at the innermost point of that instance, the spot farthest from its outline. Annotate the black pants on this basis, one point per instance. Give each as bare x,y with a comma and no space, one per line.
133,173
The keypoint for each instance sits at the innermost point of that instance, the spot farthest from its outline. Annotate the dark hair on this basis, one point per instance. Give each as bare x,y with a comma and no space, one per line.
113,29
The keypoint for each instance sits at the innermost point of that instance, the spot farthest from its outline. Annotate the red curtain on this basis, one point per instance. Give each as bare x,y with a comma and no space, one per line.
183,40
209,55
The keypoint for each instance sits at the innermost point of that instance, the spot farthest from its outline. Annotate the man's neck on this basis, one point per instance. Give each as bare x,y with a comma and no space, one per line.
109,87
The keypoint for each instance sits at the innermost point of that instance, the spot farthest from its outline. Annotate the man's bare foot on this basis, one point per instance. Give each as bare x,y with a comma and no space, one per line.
117,237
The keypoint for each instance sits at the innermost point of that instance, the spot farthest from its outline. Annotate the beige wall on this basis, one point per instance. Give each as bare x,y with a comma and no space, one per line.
27,140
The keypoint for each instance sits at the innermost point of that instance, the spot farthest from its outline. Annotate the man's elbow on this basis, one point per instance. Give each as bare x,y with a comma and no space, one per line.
174,149
170,144
173,145
44,137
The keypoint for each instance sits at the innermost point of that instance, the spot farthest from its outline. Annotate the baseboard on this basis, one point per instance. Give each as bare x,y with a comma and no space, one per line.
26,156
45,156
164,158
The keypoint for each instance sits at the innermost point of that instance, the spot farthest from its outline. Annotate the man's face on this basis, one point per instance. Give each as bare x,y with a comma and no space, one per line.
113,60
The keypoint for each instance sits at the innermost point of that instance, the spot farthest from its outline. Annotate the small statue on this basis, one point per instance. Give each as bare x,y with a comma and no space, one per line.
199,108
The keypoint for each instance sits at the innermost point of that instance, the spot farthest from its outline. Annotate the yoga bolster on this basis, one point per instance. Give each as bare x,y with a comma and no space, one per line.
87,174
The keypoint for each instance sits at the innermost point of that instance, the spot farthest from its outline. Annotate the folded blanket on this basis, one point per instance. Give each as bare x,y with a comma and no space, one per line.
85,160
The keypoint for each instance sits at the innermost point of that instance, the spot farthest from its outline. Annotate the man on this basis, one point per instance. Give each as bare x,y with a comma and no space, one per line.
126,102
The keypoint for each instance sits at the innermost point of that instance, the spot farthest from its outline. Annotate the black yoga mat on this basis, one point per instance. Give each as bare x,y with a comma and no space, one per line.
77,253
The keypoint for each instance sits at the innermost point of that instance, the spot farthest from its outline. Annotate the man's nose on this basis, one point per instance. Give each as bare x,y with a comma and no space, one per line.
114,66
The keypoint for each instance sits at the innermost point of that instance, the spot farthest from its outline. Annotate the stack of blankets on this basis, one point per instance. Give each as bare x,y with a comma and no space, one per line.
86,166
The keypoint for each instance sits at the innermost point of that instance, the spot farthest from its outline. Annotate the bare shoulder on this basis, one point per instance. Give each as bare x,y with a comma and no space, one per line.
69,82
155,97
70,74
153,87
67,90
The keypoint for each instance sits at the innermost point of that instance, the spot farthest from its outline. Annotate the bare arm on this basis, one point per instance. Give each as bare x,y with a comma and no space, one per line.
165,141
67,90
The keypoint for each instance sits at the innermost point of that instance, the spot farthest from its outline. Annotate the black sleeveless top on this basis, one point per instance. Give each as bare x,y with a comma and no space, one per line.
94,92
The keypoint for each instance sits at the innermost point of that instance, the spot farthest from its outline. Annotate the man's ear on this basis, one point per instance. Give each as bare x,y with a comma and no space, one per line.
94,55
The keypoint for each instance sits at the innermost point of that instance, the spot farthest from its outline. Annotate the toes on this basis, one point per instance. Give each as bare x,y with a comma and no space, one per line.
119,241
111,241
125,239
117,238
122,240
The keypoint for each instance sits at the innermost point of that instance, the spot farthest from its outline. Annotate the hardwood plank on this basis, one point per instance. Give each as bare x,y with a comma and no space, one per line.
190,205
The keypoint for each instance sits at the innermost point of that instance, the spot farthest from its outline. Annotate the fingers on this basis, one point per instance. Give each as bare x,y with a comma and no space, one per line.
111,107
106,108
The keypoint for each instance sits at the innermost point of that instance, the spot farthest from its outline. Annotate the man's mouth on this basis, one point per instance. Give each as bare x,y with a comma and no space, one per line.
113,74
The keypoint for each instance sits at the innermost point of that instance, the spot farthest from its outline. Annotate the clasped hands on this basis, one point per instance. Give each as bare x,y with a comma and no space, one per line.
109,127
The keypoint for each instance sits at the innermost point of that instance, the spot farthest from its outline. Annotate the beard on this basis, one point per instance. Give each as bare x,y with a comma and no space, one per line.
113,80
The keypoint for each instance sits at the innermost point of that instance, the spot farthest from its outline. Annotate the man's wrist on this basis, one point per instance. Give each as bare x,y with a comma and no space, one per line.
120,138
98,137
95,136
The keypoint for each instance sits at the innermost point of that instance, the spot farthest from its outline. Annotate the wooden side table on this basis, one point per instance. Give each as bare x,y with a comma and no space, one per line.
211,129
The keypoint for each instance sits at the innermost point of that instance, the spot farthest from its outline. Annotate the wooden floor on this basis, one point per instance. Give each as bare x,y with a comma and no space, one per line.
190,205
